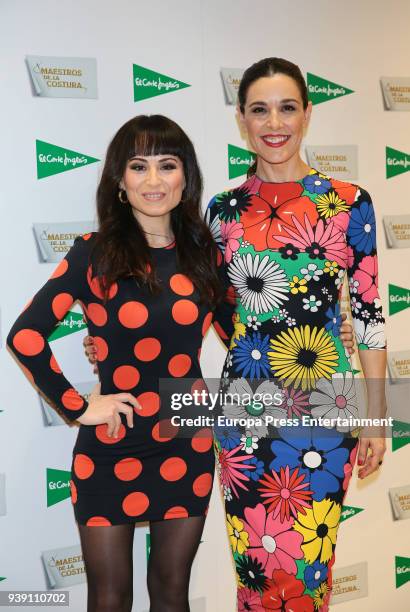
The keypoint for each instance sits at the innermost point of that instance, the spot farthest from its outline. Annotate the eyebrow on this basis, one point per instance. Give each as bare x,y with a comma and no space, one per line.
282,101
143,159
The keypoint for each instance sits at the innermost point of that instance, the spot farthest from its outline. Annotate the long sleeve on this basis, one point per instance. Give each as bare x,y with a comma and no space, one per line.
368,321
27,338
224,312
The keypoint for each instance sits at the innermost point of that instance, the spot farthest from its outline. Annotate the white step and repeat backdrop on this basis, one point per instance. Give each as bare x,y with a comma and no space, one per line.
72,73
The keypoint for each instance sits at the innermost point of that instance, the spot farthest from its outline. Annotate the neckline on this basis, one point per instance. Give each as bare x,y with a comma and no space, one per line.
287,182
167,247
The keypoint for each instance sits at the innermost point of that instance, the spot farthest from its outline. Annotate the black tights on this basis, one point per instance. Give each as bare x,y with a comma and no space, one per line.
107,553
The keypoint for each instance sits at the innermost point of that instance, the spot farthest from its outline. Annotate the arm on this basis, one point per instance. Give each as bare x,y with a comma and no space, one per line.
368,322
224,312
27,340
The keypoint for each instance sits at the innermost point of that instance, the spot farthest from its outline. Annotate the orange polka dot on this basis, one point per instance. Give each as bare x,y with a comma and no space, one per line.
126,377
202,485
27,373
98,521
28,342
101,433
164,431
72,400
147,349
86,236
176,512
207,323
73,490
60,269
83,466
133,314
181,284
128,468
173,469
150,403
97,314
199,386
202,441
94,284
54,365
135,504
61,303
102,348
184,312
179,365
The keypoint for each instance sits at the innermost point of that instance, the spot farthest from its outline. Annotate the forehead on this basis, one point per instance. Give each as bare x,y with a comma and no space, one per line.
156,158
278,86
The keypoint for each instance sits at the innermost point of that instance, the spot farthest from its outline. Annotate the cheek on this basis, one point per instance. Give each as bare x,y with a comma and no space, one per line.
176,183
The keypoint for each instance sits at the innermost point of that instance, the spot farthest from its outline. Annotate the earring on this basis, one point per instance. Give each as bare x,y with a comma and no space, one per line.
120,196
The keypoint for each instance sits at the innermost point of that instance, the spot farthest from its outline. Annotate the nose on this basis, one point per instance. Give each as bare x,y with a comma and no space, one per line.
152,176
274,120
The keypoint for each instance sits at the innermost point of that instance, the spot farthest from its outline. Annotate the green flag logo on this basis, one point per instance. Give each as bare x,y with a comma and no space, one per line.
148,544
402,570
239,161
58,486
72,323
321,90
148,84
397,162
348,512
52,159
400,434
399,299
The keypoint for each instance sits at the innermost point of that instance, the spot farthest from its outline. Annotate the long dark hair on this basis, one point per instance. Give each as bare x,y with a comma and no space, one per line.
265,68
121,249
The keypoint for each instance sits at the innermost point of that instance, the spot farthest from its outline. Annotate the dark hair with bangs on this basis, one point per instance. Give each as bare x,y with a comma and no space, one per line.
121,248
265,68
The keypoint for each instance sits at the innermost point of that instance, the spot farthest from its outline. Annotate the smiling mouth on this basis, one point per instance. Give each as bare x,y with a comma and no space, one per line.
153,196
275,141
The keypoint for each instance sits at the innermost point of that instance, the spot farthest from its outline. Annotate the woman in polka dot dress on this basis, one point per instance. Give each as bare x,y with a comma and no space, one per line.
148,284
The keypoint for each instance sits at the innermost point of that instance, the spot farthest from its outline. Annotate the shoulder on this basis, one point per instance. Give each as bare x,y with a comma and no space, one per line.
226,204
322,184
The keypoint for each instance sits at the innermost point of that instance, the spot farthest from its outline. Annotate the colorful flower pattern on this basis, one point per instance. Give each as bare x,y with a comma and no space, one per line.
287,250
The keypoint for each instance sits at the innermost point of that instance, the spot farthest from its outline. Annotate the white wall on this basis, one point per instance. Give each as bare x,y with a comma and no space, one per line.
352,43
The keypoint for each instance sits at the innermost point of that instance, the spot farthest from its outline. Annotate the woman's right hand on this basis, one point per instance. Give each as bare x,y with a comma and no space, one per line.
107,408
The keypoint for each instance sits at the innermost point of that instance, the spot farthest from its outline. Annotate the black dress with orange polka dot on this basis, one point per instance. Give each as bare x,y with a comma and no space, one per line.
140,338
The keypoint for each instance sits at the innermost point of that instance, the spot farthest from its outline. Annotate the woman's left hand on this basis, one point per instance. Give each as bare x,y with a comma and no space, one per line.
370,462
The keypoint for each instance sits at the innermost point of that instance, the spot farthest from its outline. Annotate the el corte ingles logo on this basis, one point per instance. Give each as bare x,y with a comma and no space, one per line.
321,90
148,84
348,512
52,159
239,161
72,322
58,486
402,570
399,299
397,162
400,434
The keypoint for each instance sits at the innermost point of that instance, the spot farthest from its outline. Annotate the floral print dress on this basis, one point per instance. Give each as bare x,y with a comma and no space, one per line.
287,248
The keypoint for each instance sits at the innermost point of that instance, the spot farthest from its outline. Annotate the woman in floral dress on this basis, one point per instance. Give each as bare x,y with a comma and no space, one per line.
289,236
